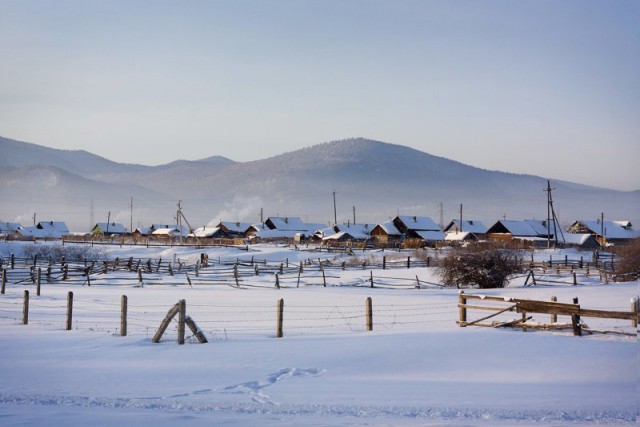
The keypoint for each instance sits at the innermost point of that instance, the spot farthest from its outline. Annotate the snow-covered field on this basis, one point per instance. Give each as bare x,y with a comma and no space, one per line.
416,368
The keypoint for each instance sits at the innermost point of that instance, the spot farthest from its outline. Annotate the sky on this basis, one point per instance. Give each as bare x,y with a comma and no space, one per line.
542,87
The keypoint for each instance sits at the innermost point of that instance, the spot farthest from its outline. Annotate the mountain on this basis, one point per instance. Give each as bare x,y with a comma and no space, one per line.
378,180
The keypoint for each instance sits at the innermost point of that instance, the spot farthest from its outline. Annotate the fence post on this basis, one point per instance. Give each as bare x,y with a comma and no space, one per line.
13,261
279,332
123,316
409,261
554,317
69,310
140,277
575,321
65,274
38,275
575,279
369,314
462,310
384,262
324,279
371,278
182,314
277,281
4,280
634,309
25,308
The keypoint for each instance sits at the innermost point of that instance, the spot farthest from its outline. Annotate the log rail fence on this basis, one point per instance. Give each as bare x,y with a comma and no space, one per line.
525,308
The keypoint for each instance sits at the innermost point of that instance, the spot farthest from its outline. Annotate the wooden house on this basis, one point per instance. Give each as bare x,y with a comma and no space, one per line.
418,227
108,229
386,233
477,228
606,232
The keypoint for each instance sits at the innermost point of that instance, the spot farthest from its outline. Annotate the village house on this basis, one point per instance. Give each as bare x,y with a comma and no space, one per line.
108,229
9,228
606,232
534,232
45,230
473,229
419,227
287,228
386,233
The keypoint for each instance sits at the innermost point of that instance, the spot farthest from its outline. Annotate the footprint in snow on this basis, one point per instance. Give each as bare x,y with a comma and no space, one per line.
254,389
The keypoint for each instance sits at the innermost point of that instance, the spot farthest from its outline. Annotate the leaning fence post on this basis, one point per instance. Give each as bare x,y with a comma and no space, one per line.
25,308
279,332
324,279
69,310
182,314
369,314
462,309
123,316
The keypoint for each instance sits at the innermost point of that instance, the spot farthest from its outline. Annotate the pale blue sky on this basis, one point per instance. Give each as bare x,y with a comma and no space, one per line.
543,87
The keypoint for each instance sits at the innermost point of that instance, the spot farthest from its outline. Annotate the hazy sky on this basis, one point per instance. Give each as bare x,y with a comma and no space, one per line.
550,88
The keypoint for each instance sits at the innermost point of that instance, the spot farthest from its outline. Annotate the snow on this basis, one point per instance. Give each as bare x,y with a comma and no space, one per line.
416,368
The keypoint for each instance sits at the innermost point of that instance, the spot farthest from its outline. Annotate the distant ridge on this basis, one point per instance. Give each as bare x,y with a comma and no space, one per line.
377,178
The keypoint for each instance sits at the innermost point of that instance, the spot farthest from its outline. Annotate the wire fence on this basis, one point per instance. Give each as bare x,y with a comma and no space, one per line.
221,321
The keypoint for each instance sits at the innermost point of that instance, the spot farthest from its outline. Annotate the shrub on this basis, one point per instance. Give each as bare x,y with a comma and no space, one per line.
69,252
629,259
480,267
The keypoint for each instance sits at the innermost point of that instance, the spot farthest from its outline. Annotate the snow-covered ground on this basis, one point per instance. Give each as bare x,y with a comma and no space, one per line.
416,368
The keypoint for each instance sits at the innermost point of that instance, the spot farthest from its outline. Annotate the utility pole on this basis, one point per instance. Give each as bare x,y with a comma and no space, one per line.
179,220
34,218
354,215
551,216
261,216
335,214
441,216
131,218
108,222
461,217
91,216
602,227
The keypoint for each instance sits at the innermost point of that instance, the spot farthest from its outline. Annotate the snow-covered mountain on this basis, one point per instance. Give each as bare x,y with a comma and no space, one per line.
379,179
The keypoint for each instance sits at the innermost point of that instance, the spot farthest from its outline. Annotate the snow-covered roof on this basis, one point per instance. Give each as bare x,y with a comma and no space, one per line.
612,229
54,227
286,223
418,222
576,238
457,236
9,227
338,236
109,228
476,227
277,234
236,227
204,232
430,235
390,228
525,228
357,231
171,231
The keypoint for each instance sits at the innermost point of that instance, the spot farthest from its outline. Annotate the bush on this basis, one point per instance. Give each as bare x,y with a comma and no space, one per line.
629,259
480,267
69,252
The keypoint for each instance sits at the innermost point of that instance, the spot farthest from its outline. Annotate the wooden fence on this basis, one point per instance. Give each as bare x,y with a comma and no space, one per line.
126,319
499,305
